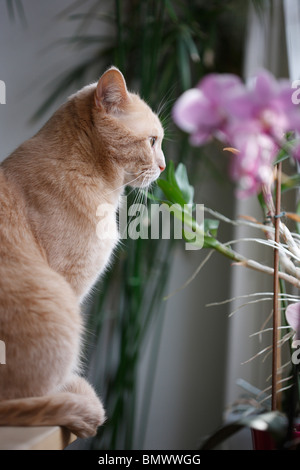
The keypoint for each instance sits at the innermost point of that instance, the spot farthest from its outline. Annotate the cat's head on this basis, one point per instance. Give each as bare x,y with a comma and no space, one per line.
135,132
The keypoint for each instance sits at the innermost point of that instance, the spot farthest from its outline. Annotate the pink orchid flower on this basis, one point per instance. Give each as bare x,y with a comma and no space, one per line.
269,102
252,119
292,314
202,111
252,166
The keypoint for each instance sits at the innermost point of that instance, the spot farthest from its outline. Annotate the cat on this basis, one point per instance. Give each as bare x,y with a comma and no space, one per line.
51,187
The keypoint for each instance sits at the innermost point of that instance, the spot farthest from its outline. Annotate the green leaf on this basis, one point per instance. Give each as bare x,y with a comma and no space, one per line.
286,151
184,66
282,155
176,187
171,11
172,193
153,197
191,46
291,183
15,8
211,227
182,180
171,174
273,422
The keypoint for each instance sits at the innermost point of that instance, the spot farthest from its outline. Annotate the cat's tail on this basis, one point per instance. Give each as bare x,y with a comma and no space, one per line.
78,413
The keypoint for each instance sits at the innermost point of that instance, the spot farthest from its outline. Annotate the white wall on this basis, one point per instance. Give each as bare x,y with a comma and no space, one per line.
27,69
188,394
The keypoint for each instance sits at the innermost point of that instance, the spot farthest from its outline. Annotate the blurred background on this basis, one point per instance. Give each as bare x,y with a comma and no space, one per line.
168,370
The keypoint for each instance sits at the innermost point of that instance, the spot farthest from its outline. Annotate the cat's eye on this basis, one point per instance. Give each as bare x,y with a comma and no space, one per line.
152,140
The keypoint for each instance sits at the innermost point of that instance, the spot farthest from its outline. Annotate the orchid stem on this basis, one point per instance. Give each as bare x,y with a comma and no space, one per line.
276,291
225,250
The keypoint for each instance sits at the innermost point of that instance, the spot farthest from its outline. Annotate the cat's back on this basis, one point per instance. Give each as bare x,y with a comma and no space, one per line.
16,238
11,207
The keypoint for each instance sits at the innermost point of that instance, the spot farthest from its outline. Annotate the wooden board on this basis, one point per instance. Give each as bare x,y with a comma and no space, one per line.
34,438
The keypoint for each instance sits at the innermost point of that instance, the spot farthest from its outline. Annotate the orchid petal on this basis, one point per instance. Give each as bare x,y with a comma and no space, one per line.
265,88
200,137
216,87
186,109
241,106
292,314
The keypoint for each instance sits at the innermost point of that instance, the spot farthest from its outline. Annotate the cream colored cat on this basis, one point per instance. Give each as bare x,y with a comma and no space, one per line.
51,188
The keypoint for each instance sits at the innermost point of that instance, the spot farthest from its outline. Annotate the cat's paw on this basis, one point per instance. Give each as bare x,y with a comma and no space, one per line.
91,413
94,416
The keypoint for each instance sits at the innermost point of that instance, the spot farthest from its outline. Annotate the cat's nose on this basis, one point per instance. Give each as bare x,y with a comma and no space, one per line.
162,167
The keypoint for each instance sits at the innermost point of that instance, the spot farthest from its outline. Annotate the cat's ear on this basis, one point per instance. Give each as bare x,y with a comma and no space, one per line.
111,91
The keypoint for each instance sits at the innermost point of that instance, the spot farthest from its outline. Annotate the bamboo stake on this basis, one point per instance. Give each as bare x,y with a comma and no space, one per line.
276,290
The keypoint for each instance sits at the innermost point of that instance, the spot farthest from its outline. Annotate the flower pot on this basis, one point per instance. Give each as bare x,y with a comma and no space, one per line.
262,440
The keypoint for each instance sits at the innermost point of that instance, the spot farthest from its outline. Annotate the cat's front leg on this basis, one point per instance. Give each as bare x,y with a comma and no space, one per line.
95,414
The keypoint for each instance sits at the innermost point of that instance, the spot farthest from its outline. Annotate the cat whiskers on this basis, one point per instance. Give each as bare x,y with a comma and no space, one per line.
138,203
123,185
145,173
164,112
145,189
165,102
142,191
140,199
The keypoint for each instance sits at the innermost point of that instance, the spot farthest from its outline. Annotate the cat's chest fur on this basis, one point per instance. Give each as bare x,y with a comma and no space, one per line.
81,245
83,261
